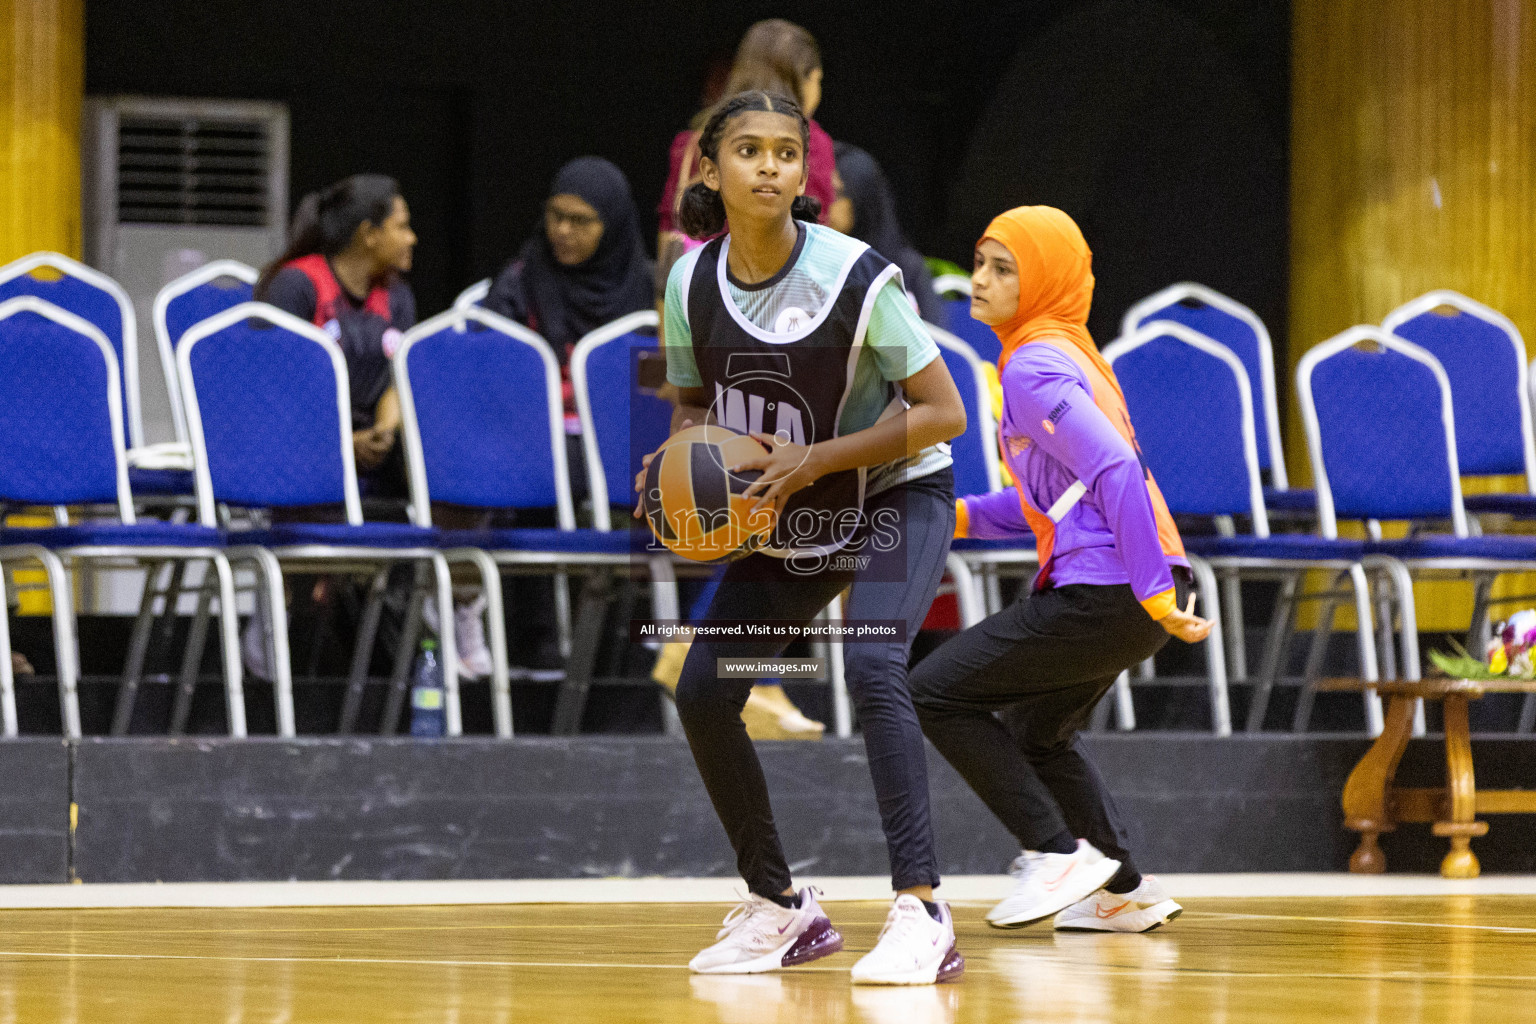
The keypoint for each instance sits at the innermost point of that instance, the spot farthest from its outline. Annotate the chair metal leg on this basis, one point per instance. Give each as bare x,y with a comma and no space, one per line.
1098,719
1402,587
7,676
665,604
563,613
1282,622
1233,629
1125,710
138,649
443,577
399,678
571,702
65,648
1215,648
192,658
1374,721
229,637
972,604
1321,634
269,591
842,709
362,652
495,633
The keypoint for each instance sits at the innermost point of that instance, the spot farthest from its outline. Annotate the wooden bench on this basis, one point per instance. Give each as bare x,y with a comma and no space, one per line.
1373,805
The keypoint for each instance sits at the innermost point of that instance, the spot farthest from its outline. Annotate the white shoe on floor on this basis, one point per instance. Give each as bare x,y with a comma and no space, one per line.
253,647
468,635
759,935
1140,910
913,949
1046,883
469,638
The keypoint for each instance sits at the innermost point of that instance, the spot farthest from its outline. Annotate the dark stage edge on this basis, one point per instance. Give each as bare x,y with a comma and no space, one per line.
218,810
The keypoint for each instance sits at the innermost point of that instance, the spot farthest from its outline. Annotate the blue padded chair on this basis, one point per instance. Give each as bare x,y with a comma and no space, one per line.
955,290
269,416
1190,399
1484,358
1381,432
61,412
96,298
1230,323
976,471
483,422
191,299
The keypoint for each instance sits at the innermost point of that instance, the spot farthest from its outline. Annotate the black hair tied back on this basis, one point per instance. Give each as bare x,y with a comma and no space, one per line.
701,213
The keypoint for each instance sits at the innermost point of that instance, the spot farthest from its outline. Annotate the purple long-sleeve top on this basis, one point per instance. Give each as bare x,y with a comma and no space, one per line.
1054,435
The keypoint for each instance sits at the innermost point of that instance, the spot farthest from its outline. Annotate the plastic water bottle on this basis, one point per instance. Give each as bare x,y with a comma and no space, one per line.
428,698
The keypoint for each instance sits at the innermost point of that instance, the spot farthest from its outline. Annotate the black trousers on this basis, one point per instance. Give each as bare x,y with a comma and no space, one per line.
1041,665
897,583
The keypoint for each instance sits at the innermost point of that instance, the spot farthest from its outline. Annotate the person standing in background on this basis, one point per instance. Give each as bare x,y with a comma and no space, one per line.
774,56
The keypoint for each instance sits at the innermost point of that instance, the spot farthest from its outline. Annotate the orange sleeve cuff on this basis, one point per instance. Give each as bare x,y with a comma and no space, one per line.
962,519
1159,605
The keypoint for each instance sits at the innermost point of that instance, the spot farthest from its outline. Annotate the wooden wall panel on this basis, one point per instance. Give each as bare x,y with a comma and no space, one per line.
1413,167
42,83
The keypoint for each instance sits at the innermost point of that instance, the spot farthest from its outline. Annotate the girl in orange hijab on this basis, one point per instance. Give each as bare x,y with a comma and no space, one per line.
1112,579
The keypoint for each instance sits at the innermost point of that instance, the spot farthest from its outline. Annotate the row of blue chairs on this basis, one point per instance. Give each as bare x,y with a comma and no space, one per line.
1394,416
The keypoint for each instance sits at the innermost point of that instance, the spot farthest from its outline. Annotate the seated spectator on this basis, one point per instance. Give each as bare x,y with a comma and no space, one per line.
341,273
774,56
585,267
866,209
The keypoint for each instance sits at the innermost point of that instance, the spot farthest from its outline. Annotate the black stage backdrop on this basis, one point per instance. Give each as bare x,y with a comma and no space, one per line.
1162,127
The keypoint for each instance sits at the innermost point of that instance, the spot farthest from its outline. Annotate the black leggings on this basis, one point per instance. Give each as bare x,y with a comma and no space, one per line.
895,584
1042,663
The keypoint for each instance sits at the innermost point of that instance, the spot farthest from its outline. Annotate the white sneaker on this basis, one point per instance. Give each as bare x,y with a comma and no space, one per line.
759,935
1046,883
914,949
468,635
469,638
253,646
1140,910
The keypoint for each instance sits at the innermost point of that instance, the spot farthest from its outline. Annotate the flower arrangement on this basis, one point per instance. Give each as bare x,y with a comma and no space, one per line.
1509,655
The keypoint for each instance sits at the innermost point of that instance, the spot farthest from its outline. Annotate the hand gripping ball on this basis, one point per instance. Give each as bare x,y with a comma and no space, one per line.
695,505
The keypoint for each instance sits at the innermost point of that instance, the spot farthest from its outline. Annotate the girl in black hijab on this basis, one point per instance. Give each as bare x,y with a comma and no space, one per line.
586,267
873,220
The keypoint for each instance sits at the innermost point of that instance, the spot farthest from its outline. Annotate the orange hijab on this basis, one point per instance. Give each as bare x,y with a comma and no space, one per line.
1055,292
1055,282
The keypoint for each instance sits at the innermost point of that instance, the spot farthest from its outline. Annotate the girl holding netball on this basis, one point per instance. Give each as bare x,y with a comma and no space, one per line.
805,338
1109,593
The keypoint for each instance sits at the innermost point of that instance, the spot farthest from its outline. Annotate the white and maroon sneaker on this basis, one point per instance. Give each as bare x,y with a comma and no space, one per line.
1144,908
913,948
759,935
1046,883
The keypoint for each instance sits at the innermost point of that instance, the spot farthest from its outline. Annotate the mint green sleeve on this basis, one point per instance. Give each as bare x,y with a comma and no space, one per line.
682,370
896,335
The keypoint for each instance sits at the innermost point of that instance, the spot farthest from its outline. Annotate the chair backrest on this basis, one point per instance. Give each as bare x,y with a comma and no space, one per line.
269,413
1191,403
482,415
474,294
1484,357
61,410
1239,328
621,422
975,451
190,299
1381,430
95,298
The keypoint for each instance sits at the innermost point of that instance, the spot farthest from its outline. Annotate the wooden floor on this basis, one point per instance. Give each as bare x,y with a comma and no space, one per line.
1392,960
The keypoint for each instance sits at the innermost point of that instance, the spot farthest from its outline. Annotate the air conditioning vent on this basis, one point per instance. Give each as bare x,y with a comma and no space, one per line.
194,171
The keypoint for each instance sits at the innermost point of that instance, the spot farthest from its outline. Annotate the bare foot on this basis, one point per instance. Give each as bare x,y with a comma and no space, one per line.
20,666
